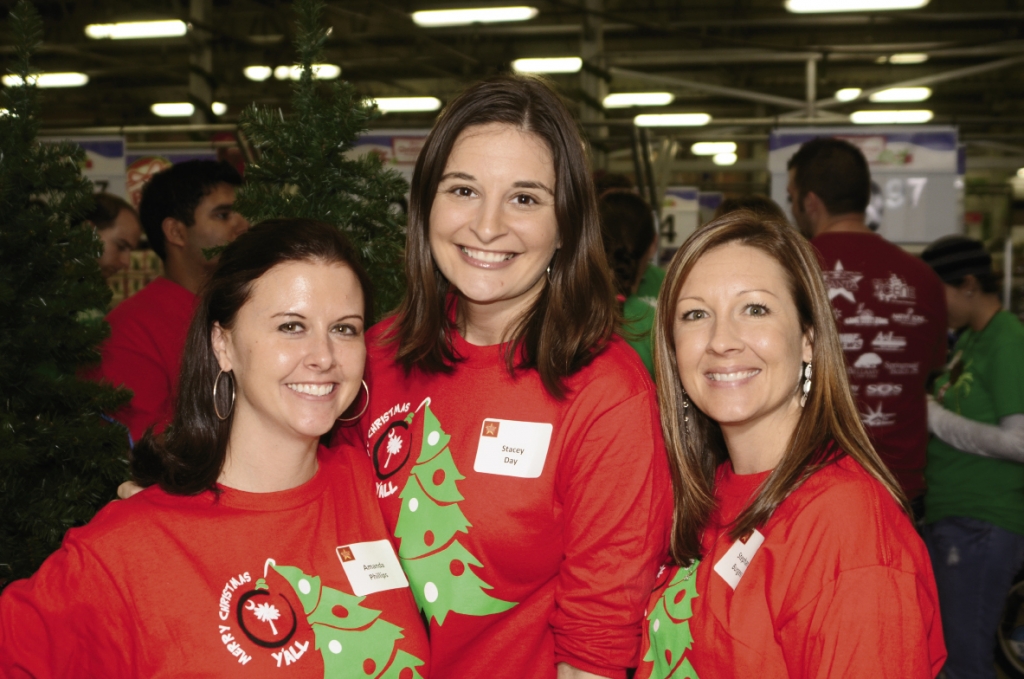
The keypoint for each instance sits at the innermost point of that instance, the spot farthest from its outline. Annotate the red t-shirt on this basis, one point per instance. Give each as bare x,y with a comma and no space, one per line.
240,585
143,353
841,586
529,527
891,311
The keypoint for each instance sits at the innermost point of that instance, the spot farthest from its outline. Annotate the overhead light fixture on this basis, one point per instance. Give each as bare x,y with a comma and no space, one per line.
320,72
137,29
219,108
627,99
49,80
464,17
711,148
181,109
905,58
548,65
724,159
847,94
671,119
258,73
890,117
902,94
822,6
406,104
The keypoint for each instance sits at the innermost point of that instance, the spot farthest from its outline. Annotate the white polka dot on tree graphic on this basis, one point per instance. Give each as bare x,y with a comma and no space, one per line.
433,437
414,504
334,646
430,592
304,586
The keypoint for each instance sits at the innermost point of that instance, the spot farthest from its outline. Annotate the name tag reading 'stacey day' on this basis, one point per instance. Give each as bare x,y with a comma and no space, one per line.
734,564
512,448
371,567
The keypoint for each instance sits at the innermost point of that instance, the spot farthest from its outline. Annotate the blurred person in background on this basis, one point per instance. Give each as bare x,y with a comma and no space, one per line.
889,305
253,550
974,507
762,206
185,210
627,229
117,224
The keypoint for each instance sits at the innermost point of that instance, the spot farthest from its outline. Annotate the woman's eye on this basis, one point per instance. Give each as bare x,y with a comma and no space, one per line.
463,191
757,310
525,199
346,329
694,315
290,327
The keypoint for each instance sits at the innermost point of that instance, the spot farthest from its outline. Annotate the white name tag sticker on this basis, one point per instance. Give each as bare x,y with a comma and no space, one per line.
371,567
512,448
734,564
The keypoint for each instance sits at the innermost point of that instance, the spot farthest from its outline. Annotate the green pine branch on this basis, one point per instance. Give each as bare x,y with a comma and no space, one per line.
59,460
304,169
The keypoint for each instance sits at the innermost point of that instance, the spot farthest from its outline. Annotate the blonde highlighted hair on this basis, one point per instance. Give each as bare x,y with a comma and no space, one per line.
829,425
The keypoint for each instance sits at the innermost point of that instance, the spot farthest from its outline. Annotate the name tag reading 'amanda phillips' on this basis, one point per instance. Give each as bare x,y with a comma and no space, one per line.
513,448
371,567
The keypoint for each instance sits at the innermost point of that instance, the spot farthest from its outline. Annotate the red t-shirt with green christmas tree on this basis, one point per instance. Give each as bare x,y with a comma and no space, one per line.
298,583
836,584
529,527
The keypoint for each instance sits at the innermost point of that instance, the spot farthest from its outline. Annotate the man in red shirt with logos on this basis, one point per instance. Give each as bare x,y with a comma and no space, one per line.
890,306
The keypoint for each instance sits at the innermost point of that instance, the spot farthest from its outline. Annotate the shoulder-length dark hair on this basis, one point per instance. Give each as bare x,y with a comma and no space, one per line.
829,424
189,457
575,313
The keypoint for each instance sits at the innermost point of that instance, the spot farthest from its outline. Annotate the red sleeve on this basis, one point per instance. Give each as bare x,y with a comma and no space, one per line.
617,500
130,359
67,620
871,622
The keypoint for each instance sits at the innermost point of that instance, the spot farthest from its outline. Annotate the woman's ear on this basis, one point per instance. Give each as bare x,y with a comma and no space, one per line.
808,345
221,340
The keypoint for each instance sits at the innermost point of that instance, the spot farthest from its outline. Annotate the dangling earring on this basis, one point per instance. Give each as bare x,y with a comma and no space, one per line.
216,410
365,406
686,413
806,385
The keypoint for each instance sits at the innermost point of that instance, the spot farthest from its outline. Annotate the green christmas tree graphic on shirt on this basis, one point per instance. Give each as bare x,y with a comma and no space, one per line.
436,563
354,641
669,628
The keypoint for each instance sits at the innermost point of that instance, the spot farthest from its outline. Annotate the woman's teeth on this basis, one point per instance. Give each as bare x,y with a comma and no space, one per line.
731,377
312,389
489,257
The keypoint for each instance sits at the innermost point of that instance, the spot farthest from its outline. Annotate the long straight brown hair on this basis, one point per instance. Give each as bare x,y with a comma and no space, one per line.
829,425
575,313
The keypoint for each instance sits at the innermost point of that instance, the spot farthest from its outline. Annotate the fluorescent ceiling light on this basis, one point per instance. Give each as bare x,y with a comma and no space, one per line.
49,80
908,58
401,104
137,29
320,72
463,17
711,148
627,99
847,93
821,6
1020,172
889,117
671,119
257,73
181,109
548,65
724,158
219,108
902,94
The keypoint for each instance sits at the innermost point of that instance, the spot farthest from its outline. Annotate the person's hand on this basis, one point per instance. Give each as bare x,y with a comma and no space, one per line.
127,489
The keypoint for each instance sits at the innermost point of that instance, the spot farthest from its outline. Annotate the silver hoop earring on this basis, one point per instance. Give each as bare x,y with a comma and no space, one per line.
806,387
686,413
216,382
365,406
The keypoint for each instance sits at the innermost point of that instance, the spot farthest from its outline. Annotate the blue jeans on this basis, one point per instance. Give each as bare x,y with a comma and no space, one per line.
974,563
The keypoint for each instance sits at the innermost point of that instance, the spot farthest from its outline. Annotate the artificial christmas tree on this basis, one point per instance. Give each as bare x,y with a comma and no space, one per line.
353,641
303,171
59,461
436,563
669,628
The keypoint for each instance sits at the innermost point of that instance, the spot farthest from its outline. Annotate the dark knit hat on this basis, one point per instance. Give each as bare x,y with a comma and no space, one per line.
954,257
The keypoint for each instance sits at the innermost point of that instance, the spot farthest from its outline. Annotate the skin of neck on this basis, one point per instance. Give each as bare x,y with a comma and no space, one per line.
484,325
984,310
260,461
851,222
759,446
180,269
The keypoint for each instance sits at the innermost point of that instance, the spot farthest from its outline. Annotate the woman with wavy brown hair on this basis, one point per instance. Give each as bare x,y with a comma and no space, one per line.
793,554
515,439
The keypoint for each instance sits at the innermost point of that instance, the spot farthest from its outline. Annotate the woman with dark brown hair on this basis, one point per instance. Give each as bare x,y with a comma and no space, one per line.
515,439
254,550
792,548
